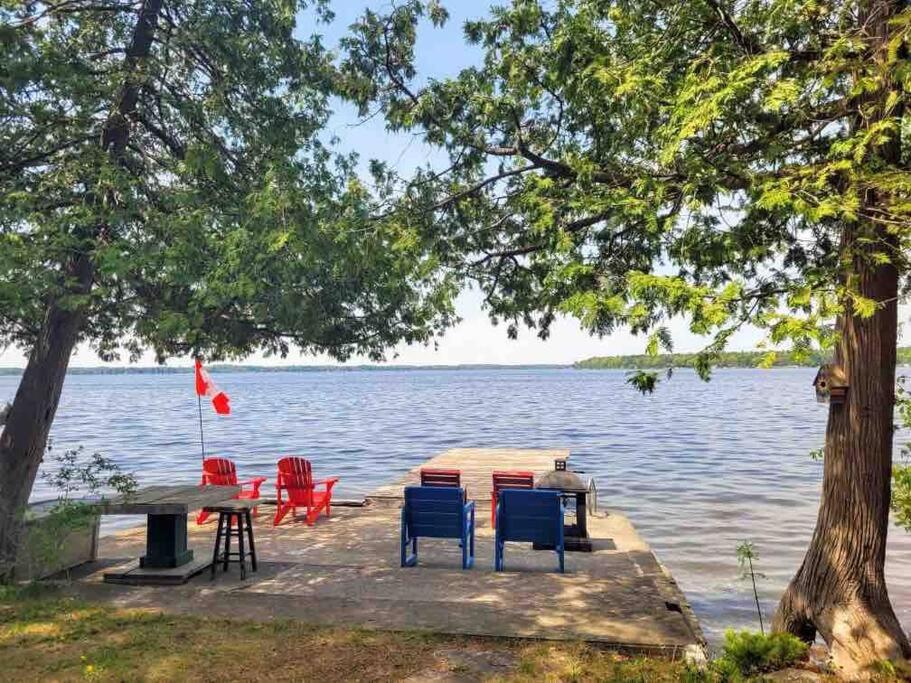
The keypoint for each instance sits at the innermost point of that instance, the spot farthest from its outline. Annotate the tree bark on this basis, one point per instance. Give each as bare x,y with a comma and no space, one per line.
29,421
840,589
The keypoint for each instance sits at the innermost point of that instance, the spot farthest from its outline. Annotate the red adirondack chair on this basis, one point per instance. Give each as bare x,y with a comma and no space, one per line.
446,478
508,479
222,472
295,480
443,478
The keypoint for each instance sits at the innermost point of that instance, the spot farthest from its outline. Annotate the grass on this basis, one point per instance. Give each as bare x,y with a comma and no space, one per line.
570,663
53,638
46,636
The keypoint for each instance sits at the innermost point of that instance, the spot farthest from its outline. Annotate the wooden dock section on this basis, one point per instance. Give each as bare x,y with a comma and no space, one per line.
477,465
345,571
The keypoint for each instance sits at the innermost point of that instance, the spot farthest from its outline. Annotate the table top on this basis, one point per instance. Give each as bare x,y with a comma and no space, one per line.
233,505
168,500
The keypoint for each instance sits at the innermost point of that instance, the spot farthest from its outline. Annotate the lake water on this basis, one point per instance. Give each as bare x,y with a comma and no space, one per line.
697,467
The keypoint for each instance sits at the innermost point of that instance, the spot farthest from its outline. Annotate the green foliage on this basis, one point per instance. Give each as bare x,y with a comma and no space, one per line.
892,671
724,359
746,557
901,472
747,653
194,178
71,473
47,536
901,495
642,381
631,163
74,473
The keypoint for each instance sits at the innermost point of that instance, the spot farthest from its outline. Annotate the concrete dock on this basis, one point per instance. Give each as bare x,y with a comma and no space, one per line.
345,571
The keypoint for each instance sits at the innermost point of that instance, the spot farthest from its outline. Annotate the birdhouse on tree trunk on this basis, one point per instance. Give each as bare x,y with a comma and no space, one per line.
831,384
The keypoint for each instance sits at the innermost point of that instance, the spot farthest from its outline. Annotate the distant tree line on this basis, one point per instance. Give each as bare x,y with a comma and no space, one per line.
727,359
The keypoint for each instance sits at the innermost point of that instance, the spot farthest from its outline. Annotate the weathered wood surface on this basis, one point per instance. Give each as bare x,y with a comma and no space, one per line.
168,500
477,466
235,505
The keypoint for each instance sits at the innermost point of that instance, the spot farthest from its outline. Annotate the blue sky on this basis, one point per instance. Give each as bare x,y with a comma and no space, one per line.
439,53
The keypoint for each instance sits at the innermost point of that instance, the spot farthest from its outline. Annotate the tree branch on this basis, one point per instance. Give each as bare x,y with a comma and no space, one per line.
746,43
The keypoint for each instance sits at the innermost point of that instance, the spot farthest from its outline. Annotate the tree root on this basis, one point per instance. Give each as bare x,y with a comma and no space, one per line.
860,635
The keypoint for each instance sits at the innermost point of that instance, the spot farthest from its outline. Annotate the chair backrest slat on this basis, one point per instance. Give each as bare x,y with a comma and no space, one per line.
295,473
514,479
219,471
530,515
441,478
434,511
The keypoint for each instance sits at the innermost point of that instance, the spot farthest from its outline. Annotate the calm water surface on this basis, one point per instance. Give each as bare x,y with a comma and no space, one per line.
697,467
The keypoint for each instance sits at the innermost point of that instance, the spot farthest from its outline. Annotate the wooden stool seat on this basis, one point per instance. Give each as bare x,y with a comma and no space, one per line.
234,520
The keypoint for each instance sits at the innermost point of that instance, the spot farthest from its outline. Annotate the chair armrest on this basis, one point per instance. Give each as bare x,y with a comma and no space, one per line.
328,483
255,483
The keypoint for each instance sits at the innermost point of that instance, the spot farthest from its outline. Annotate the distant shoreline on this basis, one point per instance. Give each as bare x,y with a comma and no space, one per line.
224,367
728,359
15,372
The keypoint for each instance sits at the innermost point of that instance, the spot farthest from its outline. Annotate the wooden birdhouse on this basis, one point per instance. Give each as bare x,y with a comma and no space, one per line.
831,384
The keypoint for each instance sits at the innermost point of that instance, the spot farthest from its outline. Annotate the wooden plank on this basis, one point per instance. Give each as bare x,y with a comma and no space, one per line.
153,494
477,466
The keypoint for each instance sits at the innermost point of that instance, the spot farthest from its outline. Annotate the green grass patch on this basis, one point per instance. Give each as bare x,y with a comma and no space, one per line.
48,636
579,662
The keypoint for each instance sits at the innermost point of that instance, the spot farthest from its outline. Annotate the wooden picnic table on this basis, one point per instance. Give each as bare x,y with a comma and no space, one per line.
166,509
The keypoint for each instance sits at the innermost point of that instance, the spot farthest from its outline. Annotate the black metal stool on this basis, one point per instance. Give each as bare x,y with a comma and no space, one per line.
228,513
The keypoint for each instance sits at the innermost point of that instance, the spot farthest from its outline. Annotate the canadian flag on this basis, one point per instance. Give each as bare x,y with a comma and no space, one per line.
206,387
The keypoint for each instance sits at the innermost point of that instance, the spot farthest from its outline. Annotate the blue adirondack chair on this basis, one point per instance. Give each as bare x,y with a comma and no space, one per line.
437,512
531,515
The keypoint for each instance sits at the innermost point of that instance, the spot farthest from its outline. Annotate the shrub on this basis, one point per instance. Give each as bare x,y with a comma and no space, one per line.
901,495
749,653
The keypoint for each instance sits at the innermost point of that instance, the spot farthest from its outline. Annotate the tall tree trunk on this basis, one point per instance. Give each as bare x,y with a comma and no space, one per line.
28,423
24,437
840,590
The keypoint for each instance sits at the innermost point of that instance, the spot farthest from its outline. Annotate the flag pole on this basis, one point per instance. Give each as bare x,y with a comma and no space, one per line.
202,442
